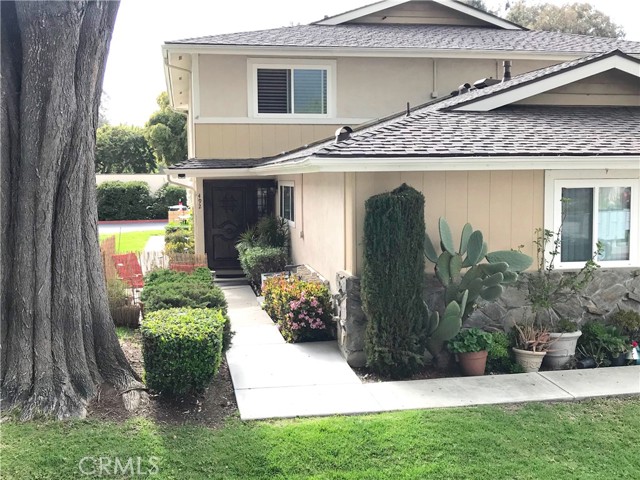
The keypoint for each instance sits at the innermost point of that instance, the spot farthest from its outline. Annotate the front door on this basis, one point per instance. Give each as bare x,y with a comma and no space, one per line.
231,206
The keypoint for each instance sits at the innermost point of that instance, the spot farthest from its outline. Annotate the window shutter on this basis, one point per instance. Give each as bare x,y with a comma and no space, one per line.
274,90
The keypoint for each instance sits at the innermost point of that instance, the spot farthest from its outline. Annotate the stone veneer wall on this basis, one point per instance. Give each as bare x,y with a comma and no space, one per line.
610,291
351,322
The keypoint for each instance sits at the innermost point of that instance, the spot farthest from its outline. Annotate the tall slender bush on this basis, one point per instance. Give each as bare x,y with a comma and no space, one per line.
393,280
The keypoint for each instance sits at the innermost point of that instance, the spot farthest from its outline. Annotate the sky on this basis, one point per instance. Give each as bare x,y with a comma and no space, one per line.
134,76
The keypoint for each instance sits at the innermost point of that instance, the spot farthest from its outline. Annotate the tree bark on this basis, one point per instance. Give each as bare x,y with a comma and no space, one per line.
58,342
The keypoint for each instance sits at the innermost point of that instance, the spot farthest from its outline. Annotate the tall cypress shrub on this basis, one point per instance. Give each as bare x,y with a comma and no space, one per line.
393,280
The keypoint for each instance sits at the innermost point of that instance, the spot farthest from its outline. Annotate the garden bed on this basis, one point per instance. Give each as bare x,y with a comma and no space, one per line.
210,409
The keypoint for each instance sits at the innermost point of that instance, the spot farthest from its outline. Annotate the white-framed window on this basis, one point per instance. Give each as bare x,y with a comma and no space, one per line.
296,88
599,207
286,201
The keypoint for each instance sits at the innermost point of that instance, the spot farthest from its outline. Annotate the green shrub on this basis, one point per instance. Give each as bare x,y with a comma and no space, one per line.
601,342
258,260
124,201
301,309
393,280
499,356
470,340
628,322
169,289
271,231
182,349
179,238
165,197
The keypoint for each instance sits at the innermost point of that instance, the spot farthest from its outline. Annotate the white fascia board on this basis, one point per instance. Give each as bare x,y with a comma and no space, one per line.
360,12
167,74
408,164
485,17
397,52
555,81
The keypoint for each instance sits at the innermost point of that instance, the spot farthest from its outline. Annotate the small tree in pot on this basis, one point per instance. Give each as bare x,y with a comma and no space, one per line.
546,289
471,347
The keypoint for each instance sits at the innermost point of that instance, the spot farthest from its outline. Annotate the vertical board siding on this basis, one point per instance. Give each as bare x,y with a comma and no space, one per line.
478,195
499,235
506,206
255,140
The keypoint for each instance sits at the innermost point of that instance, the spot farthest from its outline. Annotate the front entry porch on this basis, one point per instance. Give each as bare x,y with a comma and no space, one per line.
230,207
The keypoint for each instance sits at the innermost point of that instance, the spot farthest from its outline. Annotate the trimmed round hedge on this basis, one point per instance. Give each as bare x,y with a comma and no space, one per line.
182,349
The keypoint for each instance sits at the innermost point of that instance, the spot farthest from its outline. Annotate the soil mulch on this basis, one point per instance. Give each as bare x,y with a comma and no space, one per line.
428,372
210,409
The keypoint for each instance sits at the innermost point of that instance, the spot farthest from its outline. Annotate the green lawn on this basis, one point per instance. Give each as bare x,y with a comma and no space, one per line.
596,439
132,241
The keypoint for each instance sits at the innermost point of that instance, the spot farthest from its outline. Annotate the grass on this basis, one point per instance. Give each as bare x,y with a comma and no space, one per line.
132,241
596,439
125,333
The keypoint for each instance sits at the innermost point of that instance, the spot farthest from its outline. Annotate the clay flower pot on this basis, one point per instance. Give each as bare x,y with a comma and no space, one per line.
530,361
472,363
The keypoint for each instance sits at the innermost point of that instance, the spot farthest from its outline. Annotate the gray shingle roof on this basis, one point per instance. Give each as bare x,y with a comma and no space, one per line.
437,37
507,131
530,77
216,163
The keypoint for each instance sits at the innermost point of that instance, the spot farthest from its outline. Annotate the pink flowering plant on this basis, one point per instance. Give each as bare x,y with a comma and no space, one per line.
301,309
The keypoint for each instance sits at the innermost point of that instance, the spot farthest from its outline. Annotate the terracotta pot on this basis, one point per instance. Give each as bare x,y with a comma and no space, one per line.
472,363
529,360
562,349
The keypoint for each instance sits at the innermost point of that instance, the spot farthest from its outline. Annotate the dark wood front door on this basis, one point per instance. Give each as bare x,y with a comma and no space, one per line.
231,206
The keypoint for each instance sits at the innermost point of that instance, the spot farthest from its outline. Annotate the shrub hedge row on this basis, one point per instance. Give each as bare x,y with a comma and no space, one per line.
258,260
133,200
165,289
182,349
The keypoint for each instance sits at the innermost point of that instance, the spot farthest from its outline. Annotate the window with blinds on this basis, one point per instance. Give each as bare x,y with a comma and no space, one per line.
292,91
595,214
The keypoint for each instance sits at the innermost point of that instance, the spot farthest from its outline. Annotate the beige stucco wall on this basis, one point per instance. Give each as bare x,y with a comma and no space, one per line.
608,88
507,206
318,235
366,88
421,13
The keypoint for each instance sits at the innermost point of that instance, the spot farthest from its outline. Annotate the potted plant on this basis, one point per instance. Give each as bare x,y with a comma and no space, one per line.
565,339
601,346
532,343
470,347
547,289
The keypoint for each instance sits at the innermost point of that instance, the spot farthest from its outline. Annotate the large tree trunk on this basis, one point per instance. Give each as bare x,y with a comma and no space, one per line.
58,342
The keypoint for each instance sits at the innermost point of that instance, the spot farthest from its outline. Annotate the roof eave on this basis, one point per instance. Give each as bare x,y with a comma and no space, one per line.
314,164
402,52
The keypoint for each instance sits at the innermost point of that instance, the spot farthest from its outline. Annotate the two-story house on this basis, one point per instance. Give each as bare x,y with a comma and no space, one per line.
563,123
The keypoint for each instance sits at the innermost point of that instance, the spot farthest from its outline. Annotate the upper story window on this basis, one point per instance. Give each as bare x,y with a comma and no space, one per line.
303,89
595,211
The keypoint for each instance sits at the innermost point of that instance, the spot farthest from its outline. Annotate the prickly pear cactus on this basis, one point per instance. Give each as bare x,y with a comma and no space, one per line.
465,279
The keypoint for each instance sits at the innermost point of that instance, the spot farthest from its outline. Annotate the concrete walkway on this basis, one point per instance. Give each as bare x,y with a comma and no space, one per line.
274,379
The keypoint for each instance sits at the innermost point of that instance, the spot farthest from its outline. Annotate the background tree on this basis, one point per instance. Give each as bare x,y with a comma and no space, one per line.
58,341
123,149
167,133
580,18
479,4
